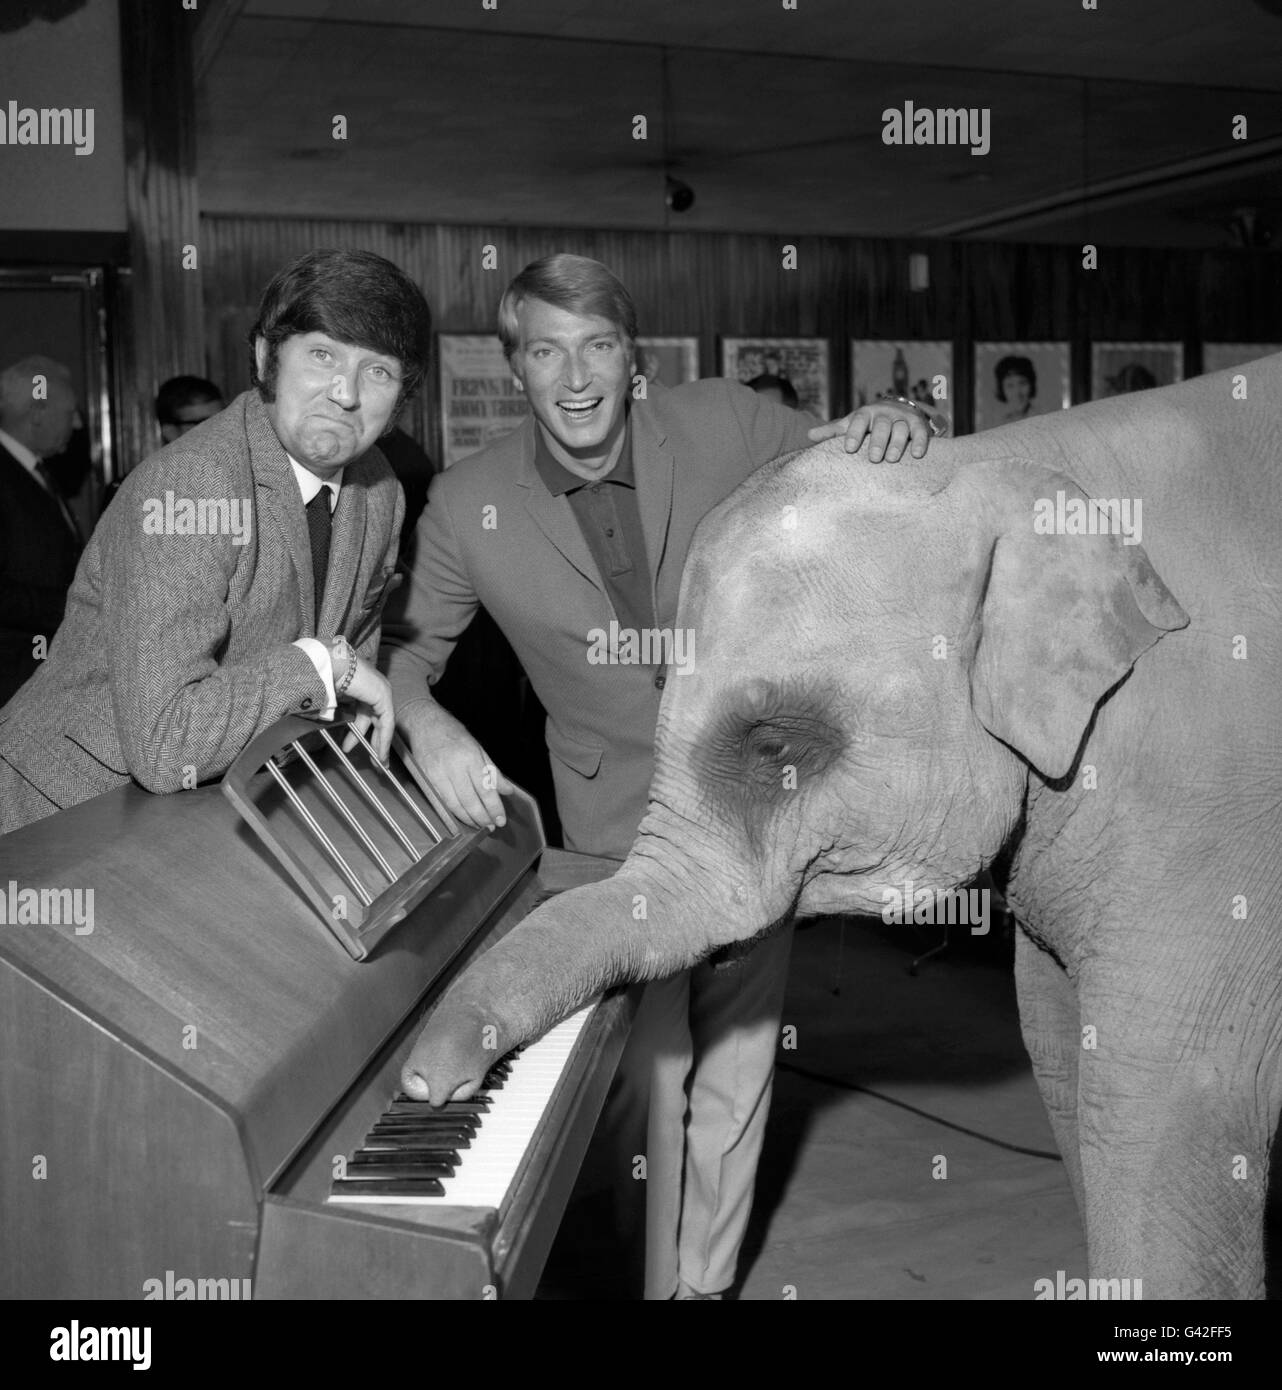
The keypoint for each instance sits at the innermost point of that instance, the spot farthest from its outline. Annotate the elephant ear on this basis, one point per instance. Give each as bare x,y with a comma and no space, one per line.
1064,618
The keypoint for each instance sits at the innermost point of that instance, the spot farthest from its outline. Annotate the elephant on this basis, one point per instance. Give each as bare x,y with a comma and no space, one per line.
904,671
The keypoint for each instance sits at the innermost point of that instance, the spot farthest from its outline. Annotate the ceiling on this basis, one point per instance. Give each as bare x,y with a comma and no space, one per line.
774,117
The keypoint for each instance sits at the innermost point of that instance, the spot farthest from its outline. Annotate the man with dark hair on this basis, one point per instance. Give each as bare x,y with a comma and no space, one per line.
775,388
222,585
575,526
183,402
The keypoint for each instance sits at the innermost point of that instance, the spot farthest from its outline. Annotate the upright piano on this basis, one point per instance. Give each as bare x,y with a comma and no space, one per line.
199,1073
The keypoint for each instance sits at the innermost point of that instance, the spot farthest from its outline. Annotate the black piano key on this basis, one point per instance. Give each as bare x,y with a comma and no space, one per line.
427,1117
387,1172
401,1098
443,1116
401,1187
431,1151
425,1113
451,1110
413,1125
412,1144
379,1158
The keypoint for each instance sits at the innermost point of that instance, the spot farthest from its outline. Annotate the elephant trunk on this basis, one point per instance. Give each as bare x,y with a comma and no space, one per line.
647,922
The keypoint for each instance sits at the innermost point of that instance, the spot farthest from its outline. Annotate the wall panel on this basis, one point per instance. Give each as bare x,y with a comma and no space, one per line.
712,284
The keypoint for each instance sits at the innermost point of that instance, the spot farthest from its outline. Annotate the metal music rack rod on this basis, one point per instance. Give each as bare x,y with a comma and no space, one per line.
364,842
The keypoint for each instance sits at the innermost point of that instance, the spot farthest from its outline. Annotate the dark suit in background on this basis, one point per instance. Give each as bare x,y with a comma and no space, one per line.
38,554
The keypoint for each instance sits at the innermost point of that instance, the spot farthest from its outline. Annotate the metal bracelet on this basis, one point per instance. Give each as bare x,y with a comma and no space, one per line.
342,647
934,424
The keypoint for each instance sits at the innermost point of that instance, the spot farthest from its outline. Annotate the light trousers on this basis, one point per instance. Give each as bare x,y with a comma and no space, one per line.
695,1079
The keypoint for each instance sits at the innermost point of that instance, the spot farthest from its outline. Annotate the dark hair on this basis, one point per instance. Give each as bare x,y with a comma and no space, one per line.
767,381
574,283
353,296
181,391
1016,366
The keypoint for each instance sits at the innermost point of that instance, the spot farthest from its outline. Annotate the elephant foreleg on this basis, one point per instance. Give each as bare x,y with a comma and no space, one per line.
1049,1021
1174,1150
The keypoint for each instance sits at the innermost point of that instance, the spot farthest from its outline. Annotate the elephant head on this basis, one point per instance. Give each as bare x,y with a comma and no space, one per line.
881,656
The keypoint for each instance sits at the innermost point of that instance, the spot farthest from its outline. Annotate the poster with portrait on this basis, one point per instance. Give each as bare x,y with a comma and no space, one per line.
479,400
920,369
1014,381
1117,369
803,361
1219,357
669,361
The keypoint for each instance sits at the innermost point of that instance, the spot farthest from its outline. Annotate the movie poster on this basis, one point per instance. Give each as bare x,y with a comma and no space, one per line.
802,361
479,400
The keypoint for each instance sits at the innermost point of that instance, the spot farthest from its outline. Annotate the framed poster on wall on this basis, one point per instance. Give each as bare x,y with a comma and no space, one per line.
669,361
920,369
803,361
1219,357
1014,381
480,401
1120,368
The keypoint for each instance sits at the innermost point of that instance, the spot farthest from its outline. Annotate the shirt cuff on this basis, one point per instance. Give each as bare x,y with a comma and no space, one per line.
318,654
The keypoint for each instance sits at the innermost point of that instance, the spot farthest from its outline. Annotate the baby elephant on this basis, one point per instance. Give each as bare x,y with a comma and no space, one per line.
1063,636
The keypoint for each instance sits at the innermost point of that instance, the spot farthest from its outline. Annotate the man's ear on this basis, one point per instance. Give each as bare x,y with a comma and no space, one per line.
1063,619
260,356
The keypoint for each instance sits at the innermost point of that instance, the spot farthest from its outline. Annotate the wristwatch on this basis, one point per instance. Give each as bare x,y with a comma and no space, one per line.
936,420
341,647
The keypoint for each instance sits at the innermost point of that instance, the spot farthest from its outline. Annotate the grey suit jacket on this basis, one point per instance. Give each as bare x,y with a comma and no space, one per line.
526,560
176,649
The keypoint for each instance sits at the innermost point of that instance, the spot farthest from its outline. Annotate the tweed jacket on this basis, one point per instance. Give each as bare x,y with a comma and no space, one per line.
493,534
176,648
38,555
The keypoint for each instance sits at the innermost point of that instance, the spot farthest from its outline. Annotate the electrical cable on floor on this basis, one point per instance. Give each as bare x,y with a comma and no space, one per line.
841,1085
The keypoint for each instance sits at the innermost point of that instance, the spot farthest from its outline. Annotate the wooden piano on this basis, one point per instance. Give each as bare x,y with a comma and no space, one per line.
181,1085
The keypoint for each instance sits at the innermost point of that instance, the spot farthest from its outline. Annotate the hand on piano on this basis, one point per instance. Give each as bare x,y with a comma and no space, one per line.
459,769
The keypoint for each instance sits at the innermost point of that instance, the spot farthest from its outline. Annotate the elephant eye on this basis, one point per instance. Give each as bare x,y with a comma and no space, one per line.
767,743
798,742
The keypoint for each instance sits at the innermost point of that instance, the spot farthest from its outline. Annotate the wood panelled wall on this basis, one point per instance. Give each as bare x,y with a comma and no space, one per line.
162,324
727,283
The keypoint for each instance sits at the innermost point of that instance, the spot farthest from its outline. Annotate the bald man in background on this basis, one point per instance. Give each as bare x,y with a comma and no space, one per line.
39,540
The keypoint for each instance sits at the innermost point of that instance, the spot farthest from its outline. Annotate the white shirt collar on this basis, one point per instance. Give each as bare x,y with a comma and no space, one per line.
309,484
20,451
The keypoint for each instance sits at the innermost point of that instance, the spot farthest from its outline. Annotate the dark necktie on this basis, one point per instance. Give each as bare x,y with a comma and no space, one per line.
319,526
46,476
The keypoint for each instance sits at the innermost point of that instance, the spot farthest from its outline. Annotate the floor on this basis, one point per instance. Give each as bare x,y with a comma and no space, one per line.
894,1076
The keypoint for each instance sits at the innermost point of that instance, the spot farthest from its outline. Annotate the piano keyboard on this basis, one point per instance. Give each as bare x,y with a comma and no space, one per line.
466,1153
